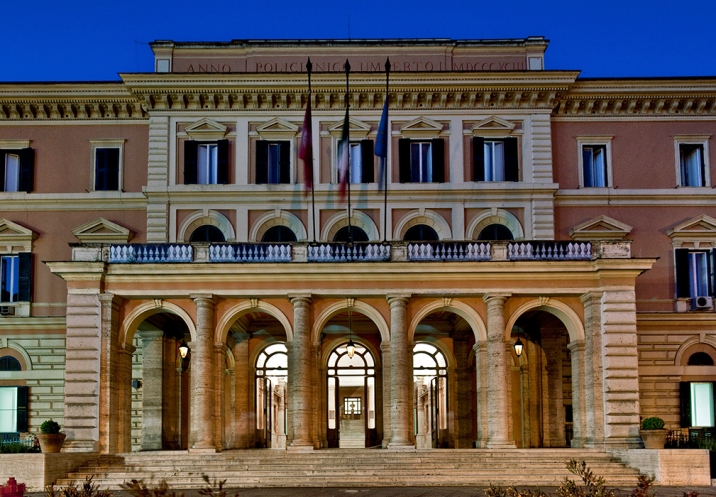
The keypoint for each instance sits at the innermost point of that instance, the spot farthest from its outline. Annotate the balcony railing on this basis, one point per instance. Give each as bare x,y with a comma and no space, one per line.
549,251
151,253
250,252
449,251
344,252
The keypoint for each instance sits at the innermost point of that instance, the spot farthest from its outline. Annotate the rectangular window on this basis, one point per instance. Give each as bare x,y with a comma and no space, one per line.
694,273
495,159
106,169
594,166
206,163
273,162
422,161
12,172
10,275
692,165
17,170
13,409
697,404
698,274
361,162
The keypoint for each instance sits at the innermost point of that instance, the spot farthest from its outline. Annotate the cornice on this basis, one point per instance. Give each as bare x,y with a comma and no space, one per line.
655,198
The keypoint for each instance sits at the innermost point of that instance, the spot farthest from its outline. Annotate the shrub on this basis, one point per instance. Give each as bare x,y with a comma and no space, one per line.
652,424
18,448
50,427
88,489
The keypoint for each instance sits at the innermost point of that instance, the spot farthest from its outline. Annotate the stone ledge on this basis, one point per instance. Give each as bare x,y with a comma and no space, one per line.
676,467
39,470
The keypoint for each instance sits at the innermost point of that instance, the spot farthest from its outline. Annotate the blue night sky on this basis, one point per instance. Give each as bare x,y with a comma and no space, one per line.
79,40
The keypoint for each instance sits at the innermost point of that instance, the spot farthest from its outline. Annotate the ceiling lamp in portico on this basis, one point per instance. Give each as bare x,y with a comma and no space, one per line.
358,129
600,228
277,129
493,127
421,128
206,129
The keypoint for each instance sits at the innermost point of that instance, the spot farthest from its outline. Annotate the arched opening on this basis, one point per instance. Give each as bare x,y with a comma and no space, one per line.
421,233
700,359
357,235
207,233
9,363
270,396
495,232
278,234
431,397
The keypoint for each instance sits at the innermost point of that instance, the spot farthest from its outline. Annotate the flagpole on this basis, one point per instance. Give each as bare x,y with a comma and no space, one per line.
309,66
347,67
385,159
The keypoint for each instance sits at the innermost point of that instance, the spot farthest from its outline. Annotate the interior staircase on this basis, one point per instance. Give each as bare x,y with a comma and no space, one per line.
352,468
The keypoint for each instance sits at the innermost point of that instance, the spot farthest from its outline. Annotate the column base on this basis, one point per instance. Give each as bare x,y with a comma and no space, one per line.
300,448
406,446
500,444
202,450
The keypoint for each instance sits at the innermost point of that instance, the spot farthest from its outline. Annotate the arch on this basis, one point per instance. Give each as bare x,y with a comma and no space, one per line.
235,312
422,216
277,218
200,218
19,353
340,219
143,311
448,355
560,310
463,310
494,216
361,307
693,345
334,342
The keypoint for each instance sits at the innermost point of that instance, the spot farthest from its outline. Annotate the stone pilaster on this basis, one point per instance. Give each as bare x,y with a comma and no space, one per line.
202,416
111,379
498,379
124,412
152,368
480,349
593,434
220,400
462,401
301,376
317,388
552,344
576,350
242,417
401,374
387,406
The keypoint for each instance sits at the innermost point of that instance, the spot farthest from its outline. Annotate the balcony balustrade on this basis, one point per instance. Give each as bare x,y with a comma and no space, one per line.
151,253
449,251
250,252
344,252
549,251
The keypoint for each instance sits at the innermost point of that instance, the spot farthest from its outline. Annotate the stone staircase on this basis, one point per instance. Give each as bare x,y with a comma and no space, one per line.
352,468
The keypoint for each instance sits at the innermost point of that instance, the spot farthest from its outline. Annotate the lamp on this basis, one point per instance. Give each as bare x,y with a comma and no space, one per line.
183,349
351,347
518,346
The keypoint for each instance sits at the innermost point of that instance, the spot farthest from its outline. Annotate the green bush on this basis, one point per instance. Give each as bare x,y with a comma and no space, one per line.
652,424
17,448
50,427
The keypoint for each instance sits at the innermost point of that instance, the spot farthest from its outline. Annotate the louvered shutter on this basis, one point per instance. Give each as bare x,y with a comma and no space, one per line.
681,260
222,164
190,162
25,276
478,158
404,159
284,162
438,156
712,273
512,168
27,170
261,162
2,171
367,161
685,393
22,401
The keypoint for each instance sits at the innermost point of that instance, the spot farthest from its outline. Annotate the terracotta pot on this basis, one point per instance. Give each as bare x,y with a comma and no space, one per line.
51,443
653,439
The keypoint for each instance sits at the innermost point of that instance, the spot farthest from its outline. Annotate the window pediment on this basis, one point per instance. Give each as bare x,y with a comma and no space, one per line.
206,129
698,233
15,238
493,126
421,127
277,129
357,129
102,230
600,228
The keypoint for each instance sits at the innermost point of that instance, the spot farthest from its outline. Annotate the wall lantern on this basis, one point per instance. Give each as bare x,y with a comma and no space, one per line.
351,347
518,346
183,349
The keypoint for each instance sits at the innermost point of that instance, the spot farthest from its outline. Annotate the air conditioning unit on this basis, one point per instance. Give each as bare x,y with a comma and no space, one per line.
7,310
702,303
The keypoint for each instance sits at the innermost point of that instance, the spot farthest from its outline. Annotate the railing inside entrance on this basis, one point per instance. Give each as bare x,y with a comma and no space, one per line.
449,251
344,252
549,251
151,252
250,252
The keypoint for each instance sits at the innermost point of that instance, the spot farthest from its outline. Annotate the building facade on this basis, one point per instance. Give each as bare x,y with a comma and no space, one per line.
575,216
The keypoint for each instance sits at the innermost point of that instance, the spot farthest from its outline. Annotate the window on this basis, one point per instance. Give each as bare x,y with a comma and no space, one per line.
207,233
13,409
9,363
495,159
106,172
697,404
15,278
362,165
594,166
16,170
422,161
694,273
356,235
700,359
279,234
273,162
421,233
206,163
691,159
495,232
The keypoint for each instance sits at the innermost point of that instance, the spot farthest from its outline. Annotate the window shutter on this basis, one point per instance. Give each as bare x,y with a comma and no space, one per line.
478,158
22,398
100,169
512,167
685,392
222,165
2,171
712,274
438,153
284,162
190,166
681,260
261,162
25,276
404,159
367,161
27,170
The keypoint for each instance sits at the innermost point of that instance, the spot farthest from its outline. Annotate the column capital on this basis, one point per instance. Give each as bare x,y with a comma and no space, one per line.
203,298
493,298
109,298
590,296
576,345
398,299
481,345
126,348
300,300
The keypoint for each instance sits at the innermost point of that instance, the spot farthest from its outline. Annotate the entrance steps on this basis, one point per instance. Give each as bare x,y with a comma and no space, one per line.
352,468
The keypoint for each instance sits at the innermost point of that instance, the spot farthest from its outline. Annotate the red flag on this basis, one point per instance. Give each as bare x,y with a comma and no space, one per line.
343,156
305,148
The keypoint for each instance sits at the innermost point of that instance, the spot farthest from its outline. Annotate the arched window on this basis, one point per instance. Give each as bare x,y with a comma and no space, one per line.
207,233
495,232
421,233
279,234
358,235
9,363
700,359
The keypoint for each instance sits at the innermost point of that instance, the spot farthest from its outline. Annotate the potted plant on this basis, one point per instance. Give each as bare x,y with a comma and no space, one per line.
50,438
653,433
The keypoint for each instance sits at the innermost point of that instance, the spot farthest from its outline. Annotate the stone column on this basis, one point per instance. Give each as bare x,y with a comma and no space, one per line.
220,400
152,368
463,400
481,389
387,405
318,386
499,403
593,434
201,417
301,376
111,379
242,414
552,343
401,374
576,349
124,411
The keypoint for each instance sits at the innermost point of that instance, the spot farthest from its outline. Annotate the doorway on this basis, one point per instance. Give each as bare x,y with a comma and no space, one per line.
431,397
270,402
